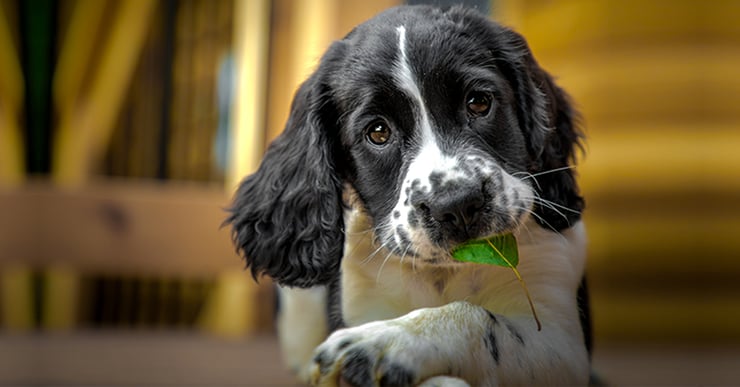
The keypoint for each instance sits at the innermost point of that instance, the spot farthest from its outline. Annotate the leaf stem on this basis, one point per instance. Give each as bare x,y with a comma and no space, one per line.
522,283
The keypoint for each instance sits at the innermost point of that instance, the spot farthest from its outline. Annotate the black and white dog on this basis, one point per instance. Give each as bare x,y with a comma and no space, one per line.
422,129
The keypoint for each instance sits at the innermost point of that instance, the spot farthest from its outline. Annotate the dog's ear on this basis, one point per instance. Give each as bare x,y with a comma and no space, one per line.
287,218
556,180
550,124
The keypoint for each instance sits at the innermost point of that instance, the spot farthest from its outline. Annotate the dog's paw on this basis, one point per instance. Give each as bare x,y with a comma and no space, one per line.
385,353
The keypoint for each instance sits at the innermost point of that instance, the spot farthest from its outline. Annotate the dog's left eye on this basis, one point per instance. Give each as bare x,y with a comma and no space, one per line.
378,133
478,103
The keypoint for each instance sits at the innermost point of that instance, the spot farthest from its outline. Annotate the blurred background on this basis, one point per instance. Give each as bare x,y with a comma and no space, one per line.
126,125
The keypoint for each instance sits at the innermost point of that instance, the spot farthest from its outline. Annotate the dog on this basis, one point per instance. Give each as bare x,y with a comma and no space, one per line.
422,129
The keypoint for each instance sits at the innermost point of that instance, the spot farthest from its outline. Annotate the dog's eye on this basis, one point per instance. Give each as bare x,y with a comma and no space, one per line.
378,133
478,103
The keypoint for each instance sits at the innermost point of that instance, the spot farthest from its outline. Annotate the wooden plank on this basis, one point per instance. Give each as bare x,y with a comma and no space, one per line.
117,227
676,82
661,159
668,246
639,315
554,26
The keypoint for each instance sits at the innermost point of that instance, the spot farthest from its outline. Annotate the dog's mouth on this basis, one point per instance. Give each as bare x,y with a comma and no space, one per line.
429,245
441,206
435,225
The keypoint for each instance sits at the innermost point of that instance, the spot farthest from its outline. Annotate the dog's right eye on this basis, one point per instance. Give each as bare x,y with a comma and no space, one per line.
378,133
479,103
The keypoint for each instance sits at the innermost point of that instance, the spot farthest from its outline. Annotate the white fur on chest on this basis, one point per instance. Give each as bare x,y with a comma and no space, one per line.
378,285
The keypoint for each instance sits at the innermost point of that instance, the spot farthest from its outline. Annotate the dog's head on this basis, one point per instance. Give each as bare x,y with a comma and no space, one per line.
442,125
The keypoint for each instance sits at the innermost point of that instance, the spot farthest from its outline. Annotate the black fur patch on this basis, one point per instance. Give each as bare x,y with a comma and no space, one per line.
490,339
357,368
324,362
514,332
492,346
584,312
396,375
413,218
492,316
334,305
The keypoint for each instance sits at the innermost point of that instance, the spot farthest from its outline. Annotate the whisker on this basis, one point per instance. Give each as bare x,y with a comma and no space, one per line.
551,203
529,175
378,230
537,199
552,170
526,228
546,223
533,176
382,265
413,263
372,255
362,239
548,205
363,232
408,247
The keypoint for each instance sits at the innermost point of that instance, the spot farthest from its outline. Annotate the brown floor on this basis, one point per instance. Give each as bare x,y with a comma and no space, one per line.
185,359
139,359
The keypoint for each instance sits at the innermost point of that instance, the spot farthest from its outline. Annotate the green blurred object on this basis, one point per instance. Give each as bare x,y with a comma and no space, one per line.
38,31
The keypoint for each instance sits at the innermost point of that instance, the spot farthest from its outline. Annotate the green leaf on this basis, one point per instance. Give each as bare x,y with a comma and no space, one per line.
498,250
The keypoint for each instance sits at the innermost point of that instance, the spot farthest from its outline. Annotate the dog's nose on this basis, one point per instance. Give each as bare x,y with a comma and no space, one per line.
457,210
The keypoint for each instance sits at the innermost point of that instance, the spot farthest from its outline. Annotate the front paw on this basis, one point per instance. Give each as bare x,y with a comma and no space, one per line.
379,353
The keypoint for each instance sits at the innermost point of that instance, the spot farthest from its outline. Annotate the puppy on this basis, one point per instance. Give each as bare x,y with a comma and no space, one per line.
422,129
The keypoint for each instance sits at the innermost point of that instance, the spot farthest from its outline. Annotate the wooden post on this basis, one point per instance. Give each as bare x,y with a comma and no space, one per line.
231,309
11,97
16,290
86,126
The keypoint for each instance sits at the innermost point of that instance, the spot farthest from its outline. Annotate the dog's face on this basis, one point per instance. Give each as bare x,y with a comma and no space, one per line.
431,132
442,125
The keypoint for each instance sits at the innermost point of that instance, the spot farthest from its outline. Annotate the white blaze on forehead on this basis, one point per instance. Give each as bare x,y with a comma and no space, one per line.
407,82
430,157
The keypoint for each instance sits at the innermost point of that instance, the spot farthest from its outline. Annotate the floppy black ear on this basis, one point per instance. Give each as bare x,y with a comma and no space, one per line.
554,168
549,121
287,218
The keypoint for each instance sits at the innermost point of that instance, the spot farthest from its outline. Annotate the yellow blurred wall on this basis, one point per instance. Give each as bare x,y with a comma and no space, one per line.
658,84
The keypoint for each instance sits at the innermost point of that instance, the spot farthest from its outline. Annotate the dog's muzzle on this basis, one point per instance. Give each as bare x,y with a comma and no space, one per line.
454,212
